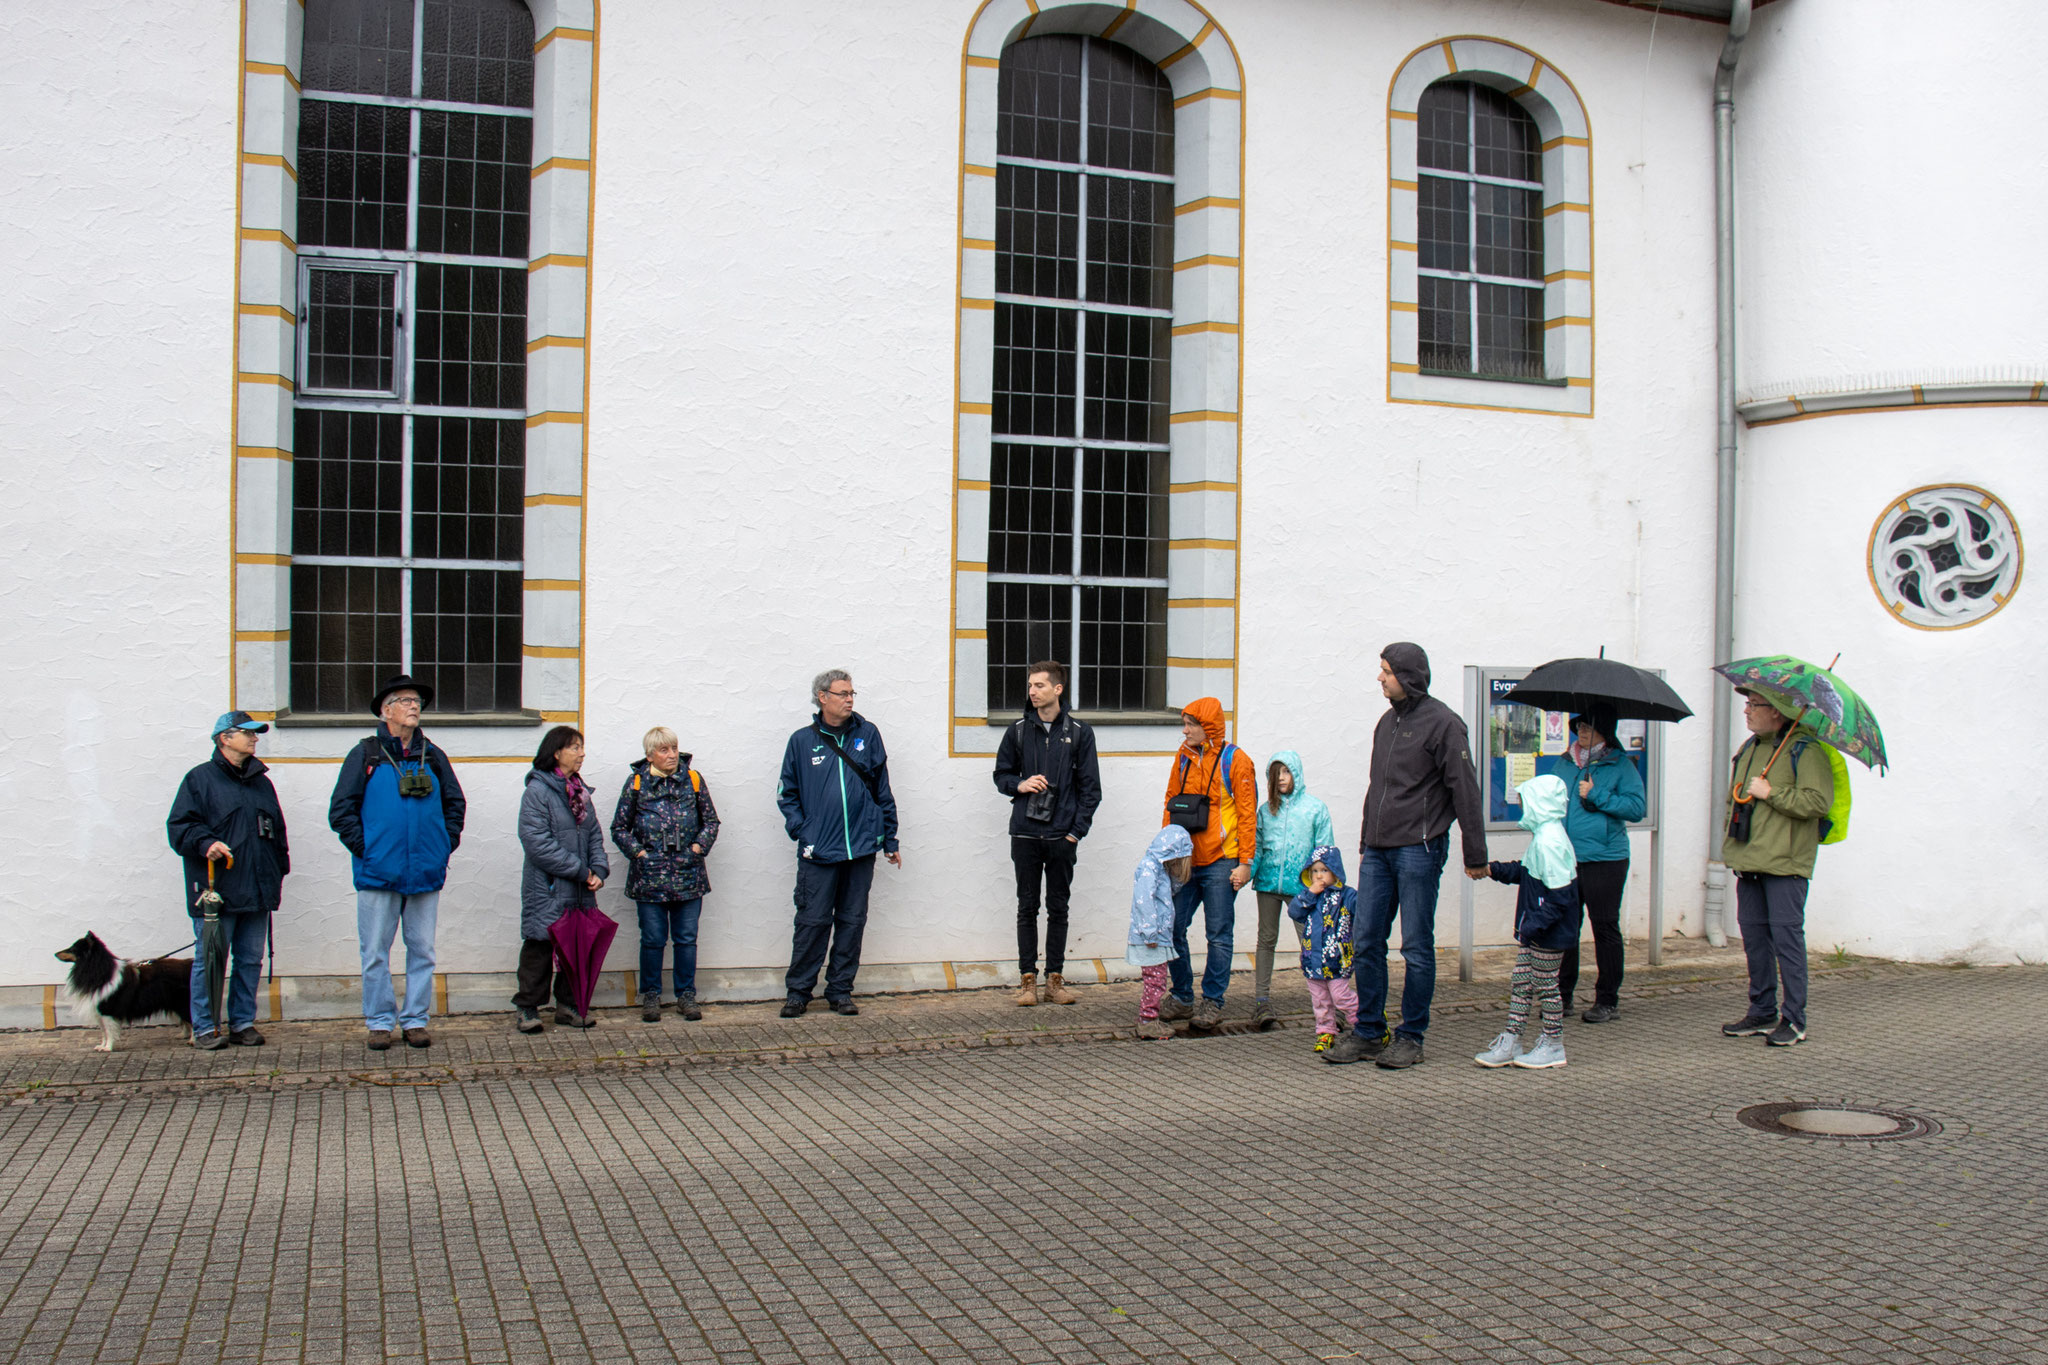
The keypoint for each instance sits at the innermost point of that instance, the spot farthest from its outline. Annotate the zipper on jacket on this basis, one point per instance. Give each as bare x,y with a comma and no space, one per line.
845,818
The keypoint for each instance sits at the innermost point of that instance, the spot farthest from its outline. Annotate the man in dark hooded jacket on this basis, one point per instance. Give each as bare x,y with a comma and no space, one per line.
1422,779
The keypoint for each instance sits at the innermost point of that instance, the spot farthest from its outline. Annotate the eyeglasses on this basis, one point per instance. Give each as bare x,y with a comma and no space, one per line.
402,701
843,696
1754,705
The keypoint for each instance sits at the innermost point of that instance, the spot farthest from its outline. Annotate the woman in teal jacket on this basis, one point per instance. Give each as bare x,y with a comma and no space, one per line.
1606,794
1291,828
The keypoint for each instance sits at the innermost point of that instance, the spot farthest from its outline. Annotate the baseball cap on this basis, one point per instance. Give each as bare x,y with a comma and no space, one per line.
238,720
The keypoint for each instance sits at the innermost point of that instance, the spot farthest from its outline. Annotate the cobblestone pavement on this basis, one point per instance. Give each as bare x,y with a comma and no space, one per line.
654,1193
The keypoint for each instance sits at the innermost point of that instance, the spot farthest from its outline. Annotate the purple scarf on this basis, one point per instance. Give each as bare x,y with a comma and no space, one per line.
579,794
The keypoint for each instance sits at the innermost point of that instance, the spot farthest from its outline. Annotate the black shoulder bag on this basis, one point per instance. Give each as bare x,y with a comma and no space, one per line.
866,775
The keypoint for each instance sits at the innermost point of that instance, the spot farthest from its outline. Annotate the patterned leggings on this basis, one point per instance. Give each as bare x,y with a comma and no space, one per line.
1536,975
1153,991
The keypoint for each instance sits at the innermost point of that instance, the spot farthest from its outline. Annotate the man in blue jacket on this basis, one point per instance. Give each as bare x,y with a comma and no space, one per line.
398,810
837,806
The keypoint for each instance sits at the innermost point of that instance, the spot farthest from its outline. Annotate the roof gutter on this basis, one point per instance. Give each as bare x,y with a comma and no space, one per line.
1724,453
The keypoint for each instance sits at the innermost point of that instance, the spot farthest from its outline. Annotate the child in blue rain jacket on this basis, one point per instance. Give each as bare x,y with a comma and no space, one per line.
1547,919
1168,862
1322,915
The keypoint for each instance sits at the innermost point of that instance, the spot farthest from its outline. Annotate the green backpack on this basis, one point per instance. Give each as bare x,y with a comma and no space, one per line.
1834,826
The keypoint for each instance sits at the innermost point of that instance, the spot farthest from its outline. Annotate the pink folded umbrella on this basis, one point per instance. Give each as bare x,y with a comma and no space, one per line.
581,936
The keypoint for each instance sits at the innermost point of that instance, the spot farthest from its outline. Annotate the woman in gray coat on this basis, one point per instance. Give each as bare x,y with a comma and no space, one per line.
565,864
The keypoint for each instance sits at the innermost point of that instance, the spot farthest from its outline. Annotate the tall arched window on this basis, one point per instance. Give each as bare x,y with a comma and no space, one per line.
409,428
1479,233
1083,317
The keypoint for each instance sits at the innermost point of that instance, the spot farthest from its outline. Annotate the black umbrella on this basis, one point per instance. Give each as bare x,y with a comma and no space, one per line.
213,943
1579,685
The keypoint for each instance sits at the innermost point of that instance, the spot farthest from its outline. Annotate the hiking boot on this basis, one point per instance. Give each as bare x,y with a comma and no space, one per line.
794,1007
1154,1029
1401,1054
418,1037
650,1009
246,1037
1324,1041
565,1017
379,1039
1600,1014
1548,1052
844,1005
212,1042
527,1019
1501,1050
586,1021
1749,1025
1056,992
1207,1015
686,1005
1027,989
1786,1034
1173,1007
1263,1017
1350,1047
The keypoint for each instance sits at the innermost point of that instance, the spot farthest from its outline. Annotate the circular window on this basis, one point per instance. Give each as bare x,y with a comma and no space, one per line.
1945,557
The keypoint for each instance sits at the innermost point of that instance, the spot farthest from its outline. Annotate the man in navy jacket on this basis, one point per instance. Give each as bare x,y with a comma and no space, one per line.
837,806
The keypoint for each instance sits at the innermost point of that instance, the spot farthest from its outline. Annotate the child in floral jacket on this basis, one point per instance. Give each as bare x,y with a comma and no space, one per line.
1322,916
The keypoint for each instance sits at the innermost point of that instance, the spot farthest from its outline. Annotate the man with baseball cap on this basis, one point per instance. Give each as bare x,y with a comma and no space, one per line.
398,810
226,814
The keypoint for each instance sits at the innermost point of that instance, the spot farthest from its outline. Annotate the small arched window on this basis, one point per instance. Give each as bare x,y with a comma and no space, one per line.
1480,234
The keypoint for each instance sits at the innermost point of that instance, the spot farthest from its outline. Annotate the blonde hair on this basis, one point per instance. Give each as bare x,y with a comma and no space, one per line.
660,737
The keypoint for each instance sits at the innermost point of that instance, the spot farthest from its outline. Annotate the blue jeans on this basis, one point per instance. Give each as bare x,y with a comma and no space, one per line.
246,936
379,915
1210,889
1406,878
660,922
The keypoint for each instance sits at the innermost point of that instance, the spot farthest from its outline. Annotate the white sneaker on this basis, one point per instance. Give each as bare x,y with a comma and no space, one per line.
1501,1050
1548,1052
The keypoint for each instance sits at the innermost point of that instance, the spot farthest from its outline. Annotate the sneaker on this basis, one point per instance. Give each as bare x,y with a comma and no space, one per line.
379,1039
1599,1014
1548,1052
527,1019
418,1037
210,1042
1207,1015
586,1021
844,1005
1263,1017
246,1037
1154,1029
794,1007
1349,1047
686,1005
1786,1034
565,1017
1323,1040
1173,1007
1749,1025
1501,1050
650,1009
1401,1054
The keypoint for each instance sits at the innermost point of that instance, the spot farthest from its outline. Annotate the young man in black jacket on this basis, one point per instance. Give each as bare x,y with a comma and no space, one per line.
1046,765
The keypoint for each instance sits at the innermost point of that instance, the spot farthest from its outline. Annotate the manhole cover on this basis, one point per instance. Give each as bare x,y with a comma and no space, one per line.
1837,1122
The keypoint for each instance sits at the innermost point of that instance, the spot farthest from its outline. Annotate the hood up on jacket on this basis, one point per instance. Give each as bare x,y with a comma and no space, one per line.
1209,712
1329,856
1291,760
1411,668
1152,889
1550,858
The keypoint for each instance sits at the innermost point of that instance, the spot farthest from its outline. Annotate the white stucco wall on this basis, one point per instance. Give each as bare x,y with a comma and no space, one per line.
770,481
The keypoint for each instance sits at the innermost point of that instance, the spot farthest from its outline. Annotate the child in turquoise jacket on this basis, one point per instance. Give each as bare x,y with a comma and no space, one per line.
1292,826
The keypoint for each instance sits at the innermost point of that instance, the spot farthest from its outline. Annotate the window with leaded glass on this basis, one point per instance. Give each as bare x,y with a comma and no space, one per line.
409,443
1480,230
1083,323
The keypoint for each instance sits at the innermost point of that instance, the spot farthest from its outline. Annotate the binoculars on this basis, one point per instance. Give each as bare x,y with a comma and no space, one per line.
1039,806
415,782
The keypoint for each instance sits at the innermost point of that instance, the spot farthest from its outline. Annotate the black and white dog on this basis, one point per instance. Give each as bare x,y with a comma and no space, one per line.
114,991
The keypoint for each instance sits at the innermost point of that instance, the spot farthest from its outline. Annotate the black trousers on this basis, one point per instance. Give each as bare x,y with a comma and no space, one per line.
1055,859
1771,912
1600,887
536,965
831,906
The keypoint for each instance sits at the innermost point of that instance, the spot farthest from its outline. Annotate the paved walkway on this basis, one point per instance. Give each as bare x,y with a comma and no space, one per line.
907,1185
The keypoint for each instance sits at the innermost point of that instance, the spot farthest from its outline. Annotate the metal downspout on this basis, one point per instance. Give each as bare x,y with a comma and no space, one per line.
1718,890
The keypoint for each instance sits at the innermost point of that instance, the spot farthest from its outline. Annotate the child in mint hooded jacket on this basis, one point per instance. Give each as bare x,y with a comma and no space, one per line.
1292,826
1547,920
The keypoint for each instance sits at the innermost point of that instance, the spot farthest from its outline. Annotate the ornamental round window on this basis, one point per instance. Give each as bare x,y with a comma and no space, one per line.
1945,557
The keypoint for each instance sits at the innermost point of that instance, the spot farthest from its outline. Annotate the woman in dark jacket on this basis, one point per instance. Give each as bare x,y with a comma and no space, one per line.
565,865
665,824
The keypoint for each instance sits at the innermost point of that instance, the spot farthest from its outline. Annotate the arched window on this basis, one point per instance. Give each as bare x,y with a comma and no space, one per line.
1490,212
1077,521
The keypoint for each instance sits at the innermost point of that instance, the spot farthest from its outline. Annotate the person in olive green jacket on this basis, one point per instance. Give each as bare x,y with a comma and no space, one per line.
1785,784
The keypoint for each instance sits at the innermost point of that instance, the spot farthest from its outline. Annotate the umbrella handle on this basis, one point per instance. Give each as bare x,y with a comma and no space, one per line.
209,868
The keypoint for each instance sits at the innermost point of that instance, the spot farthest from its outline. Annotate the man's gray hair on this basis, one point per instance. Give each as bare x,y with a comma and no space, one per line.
823,682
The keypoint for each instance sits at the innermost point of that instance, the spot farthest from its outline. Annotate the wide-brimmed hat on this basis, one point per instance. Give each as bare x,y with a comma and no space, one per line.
403,682
238,720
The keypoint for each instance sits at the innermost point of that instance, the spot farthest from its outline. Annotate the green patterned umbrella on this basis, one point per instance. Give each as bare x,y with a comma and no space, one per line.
1824,701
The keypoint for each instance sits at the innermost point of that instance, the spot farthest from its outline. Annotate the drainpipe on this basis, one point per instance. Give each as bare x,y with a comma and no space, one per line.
1718,891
